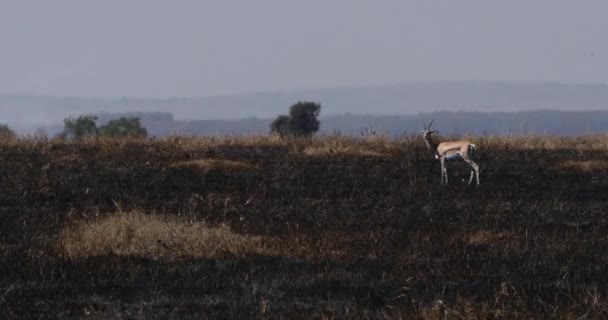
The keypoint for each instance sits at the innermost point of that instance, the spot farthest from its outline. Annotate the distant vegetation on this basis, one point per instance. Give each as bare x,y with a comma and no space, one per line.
151,117
123,128
79,128
546,122
280,125
303,120
6,133
86,126
387,100
450,123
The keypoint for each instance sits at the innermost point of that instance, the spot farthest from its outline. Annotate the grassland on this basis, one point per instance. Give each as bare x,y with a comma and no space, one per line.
333,227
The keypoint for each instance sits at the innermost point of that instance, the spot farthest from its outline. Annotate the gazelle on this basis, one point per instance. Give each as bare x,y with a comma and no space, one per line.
451,150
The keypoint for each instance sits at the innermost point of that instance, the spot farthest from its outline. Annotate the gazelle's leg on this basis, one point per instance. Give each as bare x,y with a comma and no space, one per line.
475,167
472,175
444,171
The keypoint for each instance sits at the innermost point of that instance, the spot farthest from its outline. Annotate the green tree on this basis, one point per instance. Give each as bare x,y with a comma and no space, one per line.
302,120
83,126
123,128
280,125
6,133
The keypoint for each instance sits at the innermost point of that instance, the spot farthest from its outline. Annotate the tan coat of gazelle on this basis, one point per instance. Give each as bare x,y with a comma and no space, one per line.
451,150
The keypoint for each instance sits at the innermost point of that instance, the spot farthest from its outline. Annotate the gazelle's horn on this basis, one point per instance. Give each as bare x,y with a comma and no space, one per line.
430,124
424,124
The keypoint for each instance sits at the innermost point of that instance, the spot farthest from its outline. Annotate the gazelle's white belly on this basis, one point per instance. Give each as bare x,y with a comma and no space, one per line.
453,156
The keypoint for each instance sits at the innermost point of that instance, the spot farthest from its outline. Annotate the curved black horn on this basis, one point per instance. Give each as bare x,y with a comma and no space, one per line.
430,124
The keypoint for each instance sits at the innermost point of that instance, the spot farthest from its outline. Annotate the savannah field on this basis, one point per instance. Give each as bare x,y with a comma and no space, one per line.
324,228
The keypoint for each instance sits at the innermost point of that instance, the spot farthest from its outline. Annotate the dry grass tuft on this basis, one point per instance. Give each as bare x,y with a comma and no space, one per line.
327,149
484,237
137,234
189,143
68,159
584,165
207,165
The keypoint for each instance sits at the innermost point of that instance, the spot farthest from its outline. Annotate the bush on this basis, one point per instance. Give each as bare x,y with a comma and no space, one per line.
6,133
83,126
123,128
302,120
280,125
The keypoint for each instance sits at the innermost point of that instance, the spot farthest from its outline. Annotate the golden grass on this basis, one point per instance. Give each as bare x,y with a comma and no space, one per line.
484,237
584,165
68,159
349,146
138,234
197,142
315,150
332,144
207,165
535,142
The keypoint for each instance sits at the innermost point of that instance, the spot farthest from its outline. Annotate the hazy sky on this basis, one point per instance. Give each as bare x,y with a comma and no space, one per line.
163,48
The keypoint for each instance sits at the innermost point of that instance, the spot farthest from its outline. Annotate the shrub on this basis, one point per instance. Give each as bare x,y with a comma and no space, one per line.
302,120
83,126
280,125
123,128
6,133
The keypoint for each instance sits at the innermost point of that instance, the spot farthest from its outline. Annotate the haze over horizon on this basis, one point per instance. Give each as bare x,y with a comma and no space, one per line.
159,49
27,112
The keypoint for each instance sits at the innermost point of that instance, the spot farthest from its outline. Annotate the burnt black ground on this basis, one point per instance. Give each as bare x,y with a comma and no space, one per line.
531,241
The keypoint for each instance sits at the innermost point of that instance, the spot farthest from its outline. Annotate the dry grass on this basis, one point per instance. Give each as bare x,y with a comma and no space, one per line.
154,236
189,143
485,237
584,165
222,165
539,142
369,146
341,150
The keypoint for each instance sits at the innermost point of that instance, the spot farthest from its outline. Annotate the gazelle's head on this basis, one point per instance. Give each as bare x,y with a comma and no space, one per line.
427,132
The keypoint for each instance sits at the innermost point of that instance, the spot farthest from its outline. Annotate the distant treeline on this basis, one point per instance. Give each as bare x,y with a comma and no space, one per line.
450,123
538,122
161,117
